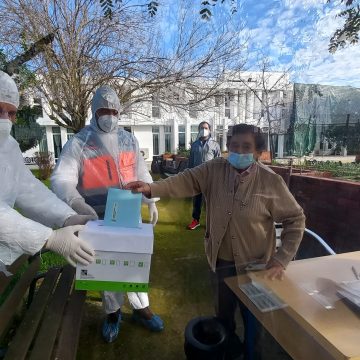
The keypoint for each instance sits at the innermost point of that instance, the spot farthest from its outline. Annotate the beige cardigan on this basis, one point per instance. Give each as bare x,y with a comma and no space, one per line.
261,199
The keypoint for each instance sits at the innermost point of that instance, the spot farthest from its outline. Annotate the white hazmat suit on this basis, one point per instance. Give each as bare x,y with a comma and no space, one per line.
27,232
101,156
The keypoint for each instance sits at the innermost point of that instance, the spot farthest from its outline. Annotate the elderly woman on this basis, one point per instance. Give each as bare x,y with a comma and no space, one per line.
244,198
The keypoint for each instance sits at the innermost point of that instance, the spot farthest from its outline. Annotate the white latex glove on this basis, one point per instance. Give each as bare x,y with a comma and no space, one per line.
66,243
153,212
78,220
82,208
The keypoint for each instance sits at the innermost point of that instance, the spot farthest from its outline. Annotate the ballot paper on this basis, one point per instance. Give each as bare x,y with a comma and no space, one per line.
350,290
264,299
123,209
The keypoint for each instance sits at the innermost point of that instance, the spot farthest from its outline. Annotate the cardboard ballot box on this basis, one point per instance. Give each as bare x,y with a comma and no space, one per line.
122,261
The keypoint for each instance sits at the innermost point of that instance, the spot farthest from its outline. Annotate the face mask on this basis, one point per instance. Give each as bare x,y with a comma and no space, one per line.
240,161
5,129
107,123
204,133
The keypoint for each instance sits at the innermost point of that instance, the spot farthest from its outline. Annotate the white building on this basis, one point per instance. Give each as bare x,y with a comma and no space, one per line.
253,98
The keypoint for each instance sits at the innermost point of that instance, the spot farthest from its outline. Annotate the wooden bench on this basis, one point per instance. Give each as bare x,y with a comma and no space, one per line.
49,325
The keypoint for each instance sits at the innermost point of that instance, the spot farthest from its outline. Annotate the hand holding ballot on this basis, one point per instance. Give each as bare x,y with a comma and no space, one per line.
139,187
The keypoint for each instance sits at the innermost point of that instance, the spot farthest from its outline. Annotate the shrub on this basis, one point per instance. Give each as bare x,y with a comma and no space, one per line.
45,162
183,152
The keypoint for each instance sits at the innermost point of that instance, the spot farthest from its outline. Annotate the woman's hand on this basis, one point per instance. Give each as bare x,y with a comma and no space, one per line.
139,187
274,270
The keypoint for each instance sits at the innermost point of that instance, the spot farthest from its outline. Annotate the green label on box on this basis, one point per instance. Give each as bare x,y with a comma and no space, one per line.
111,286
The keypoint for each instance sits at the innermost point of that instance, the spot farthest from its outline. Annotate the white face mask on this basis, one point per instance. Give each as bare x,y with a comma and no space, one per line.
204,133
5,129
107,123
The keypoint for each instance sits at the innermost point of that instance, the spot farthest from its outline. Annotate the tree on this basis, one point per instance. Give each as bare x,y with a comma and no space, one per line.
16,65
349,33
125,50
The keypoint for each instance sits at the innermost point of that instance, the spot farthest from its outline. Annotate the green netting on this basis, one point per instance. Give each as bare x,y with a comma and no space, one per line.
316,107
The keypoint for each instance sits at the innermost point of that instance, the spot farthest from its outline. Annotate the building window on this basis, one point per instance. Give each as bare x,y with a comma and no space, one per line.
182,140
43,148
155,106
227,105
192,109
57,141
69,133
194,132
156,140
167,131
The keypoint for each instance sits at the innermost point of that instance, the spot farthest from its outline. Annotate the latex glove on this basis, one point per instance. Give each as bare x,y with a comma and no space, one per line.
82,208
153,212
79,219
64,242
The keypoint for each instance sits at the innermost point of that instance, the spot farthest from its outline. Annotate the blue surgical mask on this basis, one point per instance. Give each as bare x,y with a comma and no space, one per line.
240,161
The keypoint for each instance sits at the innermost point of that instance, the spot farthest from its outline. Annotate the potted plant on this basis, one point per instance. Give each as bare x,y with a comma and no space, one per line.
167,156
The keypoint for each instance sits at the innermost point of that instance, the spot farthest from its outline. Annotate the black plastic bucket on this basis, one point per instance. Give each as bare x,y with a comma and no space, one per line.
205,339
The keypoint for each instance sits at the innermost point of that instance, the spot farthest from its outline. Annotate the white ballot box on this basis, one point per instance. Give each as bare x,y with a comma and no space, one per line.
122,261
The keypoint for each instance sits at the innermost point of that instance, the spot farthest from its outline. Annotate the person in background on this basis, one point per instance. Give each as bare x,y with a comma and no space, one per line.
244,199
31,230
102,156
205,148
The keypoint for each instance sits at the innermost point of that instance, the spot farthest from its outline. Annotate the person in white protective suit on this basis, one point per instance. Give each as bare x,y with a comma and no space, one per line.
101,156
31,230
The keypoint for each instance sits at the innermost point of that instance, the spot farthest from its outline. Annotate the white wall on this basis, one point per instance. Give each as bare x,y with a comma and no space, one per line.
144,137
